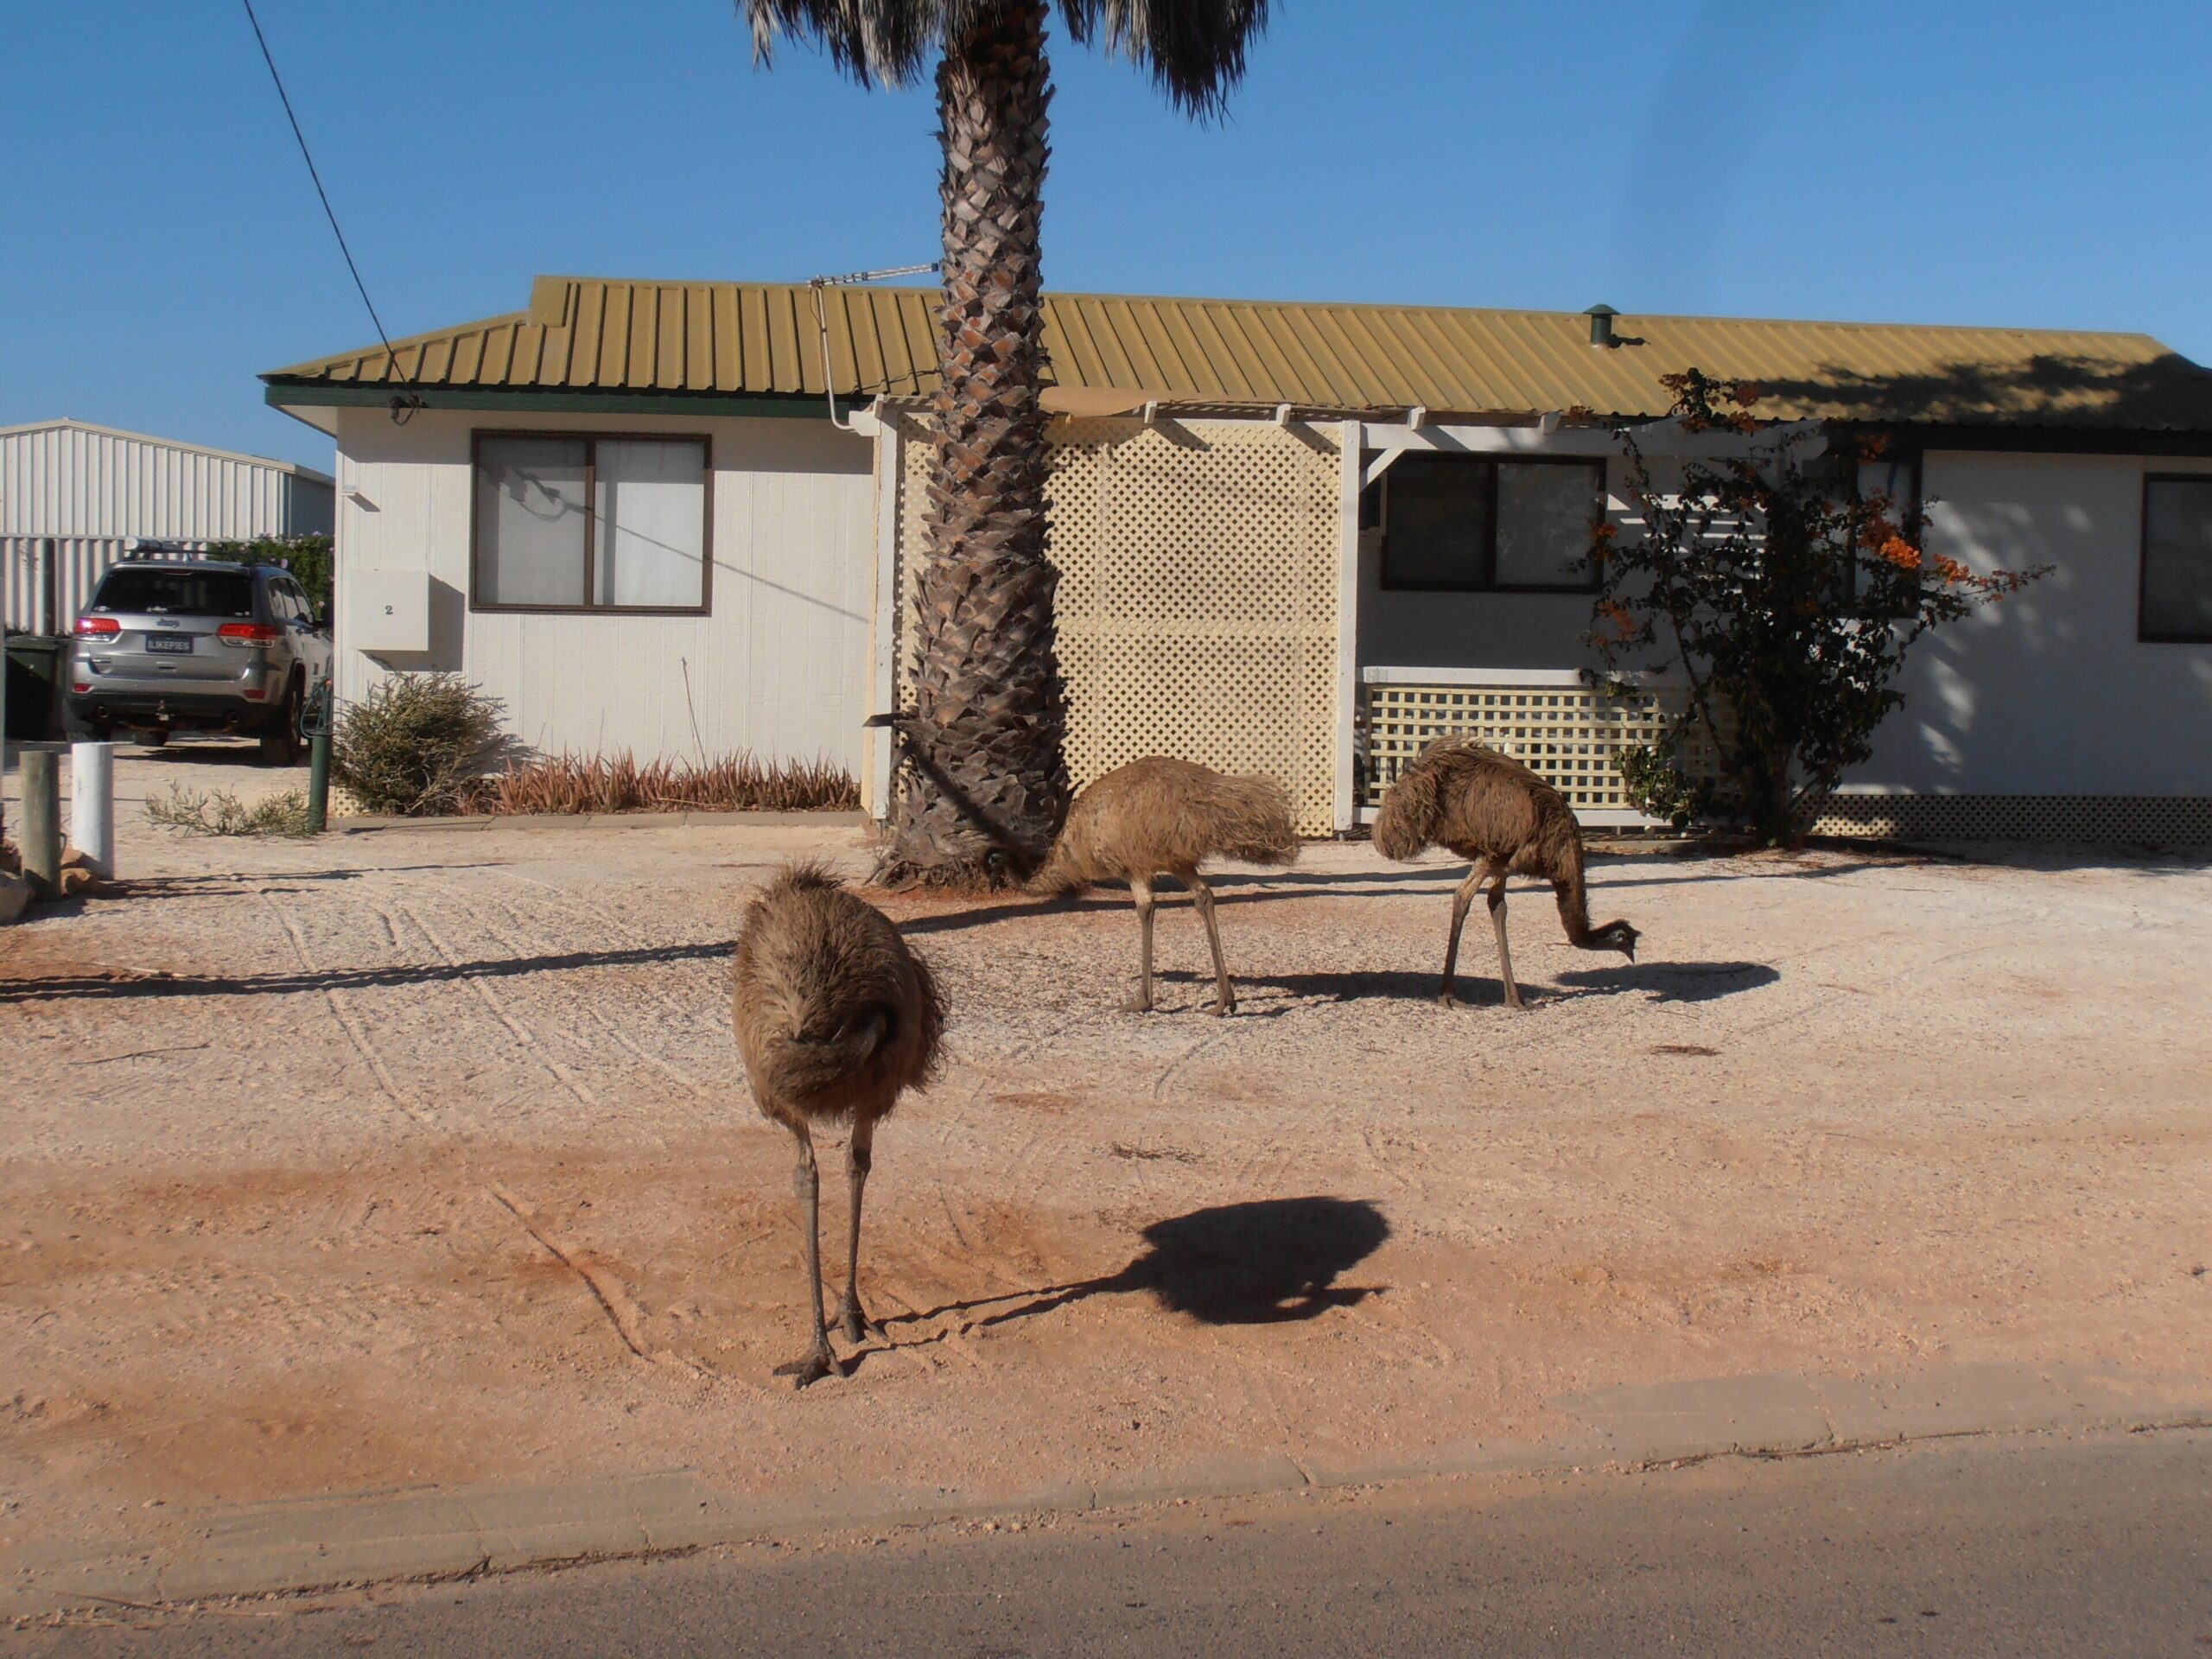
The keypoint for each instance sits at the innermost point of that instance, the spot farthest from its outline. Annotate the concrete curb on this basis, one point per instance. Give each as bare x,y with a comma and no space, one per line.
364,826
429,1535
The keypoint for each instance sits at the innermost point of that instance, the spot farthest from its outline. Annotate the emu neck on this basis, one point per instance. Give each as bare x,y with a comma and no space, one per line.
1574,903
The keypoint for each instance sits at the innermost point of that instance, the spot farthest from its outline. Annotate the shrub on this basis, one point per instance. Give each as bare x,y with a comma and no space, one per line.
620,784
412,746
1788,597
223,814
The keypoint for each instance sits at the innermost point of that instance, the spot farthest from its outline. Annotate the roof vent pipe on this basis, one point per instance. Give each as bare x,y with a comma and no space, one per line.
1601,325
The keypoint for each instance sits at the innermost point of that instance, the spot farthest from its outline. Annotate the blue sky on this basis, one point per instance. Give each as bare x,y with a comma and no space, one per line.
2024,163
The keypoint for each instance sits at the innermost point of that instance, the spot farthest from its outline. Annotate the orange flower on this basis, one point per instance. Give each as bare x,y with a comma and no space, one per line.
1950,569
1904,554
1617,615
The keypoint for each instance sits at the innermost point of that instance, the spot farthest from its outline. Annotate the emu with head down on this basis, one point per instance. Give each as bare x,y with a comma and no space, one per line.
836,1018
1493,812
1163,816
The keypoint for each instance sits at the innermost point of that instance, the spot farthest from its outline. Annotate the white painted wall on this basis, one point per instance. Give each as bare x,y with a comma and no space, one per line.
2047,692
779,666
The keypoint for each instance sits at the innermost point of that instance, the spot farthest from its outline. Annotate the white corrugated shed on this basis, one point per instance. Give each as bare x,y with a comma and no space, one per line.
92,490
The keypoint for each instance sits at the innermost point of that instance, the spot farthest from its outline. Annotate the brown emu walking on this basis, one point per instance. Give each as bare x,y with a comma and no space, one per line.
1161,816
1492,810
836,1018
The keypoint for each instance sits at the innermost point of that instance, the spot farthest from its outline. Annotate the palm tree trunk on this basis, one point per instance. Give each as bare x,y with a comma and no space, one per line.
985,784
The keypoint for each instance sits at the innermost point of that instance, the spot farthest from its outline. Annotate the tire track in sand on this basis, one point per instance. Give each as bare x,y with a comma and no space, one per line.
347,1023
531,1045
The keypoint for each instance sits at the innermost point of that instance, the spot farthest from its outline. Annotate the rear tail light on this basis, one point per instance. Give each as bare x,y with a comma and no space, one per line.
80,686
98,627
248,633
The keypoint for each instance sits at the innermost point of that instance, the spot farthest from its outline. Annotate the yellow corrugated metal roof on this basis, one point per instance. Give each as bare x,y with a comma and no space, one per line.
586,334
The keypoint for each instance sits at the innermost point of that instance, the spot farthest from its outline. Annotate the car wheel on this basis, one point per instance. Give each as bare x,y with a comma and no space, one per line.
152,740
280,738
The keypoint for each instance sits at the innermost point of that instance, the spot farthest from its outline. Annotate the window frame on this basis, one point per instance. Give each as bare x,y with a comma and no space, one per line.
1914,460
591,440
2142,634
1491,463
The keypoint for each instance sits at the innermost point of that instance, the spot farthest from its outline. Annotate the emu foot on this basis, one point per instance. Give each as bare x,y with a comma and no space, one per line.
858,1326
1137,1004
1444,999
1227,1005
812,1369
1514,1002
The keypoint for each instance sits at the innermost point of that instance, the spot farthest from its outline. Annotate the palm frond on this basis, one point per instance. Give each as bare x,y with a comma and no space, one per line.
1193,49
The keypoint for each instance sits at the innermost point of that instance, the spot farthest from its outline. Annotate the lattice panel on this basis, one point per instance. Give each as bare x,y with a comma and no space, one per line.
2092,820
1198,596
1566,734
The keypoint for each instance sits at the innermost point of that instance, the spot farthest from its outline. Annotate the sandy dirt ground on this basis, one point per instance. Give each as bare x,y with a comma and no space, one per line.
423,1156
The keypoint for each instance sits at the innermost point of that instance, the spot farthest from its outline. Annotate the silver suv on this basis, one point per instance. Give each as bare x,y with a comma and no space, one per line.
196,645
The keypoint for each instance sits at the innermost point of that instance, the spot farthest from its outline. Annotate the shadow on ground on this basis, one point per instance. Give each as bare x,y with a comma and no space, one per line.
122,983
1268,1261
1666,982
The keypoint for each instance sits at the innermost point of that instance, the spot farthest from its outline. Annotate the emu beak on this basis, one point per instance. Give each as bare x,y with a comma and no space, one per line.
1629,949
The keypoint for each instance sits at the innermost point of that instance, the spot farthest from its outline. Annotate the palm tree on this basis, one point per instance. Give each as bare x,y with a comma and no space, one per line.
986,784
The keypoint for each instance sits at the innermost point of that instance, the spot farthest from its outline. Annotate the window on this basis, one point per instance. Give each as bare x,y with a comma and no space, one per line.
1467,524
568,522
2177,603
1895,474
179,593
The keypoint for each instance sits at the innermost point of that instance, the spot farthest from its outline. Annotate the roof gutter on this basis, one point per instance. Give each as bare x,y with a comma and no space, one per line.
315,394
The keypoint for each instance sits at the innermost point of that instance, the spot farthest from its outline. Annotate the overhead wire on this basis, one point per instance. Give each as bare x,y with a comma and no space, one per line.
413,400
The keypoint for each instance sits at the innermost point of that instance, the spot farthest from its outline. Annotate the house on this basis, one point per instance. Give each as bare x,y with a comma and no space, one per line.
74,496
677,517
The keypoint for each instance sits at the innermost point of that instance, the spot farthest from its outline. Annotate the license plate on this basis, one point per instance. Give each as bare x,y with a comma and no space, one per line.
180,643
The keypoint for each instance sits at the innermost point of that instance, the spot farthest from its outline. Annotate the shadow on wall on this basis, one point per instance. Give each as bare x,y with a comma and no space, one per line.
1270,1261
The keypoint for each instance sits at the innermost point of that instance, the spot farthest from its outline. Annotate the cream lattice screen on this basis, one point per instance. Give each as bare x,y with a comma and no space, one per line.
1198,596
2093,820
1548,718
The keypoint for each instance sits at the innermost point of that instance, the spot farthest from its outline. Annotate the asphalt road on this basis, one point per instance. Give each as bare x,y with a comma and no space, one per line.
2011,1547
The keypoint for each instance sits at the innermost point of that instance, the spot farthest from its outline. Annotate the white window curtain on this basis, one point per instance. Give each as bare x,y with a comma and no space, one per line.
530,521
1545,517
650,514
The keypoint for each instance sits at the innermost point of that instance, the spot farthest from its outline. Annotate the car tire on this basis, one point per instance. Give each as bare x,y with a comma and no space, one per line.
280,738
150,740
78,727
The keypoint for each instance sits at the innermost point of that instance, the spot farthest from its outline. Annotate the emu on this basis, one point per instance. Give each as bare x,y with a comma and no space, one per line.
1165,816
1492,810
836,1018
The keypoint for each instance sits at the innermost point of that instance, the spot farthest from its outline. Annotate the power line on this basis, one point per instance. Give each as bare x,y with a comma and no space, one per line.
331,213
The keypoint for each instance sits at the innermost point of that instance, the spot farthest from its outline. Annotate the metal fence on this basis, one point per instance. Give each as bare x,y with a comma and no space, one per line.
45,580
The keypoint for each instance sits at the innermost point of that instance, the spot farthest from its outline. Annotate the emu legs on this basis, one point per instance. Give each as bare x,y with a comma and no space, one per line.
1201,896
819,1362
1504,954
1462,900
1142,892
859,1157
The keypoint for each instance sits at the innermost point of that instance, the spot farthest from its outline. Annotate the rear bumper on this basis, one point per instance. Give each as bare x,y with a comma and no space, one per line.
178,710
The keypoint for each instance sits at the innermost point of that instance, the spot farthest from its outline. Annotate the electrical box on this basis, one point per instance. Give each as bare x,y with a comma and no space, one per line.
390,611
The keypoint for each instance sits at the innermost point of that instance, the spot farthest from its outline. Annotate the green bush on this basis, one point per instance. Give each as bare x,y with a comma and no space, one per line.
223,814
410,747
308,557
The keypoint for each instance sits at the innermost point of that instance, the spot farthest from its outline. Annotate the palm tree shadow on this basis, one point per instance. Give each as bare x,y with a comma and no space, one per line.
1268,1261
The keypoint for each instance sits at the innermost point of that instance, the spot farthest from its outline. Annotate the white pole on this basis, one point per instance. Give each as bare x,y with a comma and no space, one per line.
91,804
